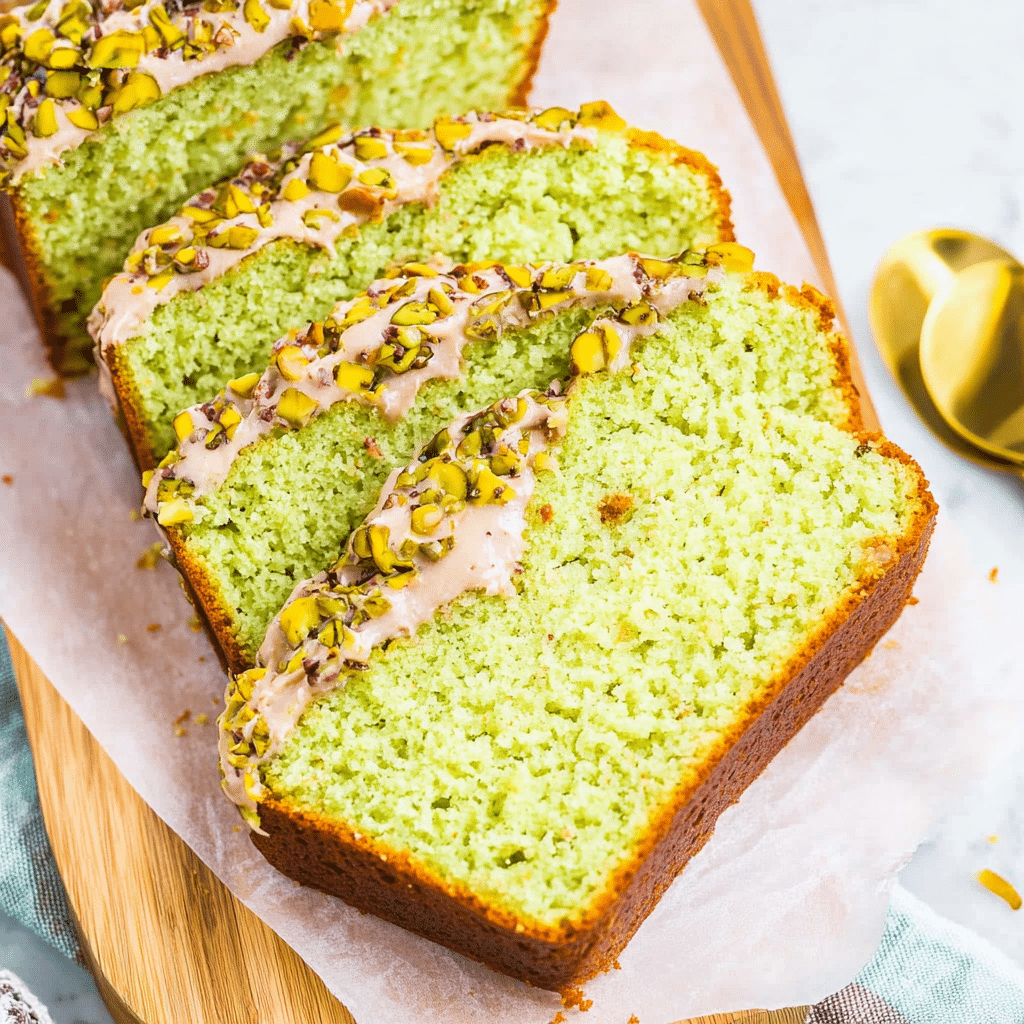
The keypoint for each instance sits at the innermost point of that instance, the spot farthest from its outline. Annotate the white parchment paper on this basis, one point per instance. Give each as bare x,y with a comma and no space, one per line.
786,902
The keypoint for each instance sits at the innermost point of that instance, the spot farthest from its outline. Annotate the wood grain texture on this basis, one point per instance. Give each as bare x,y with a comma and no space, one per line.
166,940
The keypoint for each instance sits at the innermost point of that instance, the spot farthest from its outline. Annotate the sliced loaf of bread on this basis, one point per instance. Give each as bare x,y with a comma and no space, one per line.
576,626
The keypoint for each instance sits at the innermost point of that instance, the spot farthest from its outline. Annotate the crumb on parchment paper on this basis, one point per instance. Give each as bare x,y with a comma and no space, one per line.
576,997
154,627
993,576
1000,887
48,388
150,558
7,479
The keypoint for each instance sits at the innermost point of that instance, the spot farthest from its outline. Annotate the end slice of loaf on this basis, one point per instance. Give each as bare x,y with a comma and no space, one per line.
204,296
576,627
120,111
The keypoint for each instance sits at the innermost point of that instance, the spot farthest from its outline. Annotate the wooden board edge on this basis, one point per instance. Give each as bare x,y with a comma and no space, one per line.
202,950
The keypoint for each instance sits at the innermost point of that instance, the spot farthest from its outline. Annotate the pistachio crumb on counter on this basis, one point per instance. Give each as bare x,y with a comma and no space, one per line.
48,388
1000,887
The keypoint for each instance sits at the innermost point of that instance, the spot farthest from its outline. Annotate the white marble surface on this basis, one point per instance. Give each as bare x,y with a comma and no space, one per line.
905,113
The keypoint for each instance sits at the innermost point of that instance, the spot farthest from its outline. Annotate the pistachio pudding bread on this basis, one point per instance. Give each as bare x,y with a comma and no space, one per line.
115,112
286,239
574,627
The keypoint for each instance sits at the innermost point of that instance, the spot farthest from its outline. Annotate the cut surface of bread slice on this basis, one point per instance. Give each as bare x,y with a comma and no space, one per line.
120,111
260,494
286,239
575,628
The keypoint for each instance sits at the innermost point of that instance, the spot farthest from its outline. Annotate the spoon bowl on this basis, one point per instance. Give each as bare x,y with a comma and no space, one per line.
912,273
972,357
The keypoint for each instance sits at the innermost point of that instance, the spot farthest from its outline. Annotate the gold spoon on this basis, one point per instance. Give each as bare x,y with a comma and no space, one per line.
912,273
972,357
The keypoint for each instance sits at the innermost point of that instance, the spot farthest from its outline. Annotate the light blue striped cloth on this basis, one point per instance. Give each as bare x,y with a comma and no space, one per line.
927,970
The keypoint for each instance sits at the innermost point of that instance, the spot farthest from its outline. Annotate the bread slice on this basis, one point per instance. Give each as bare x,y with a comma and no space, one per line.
117,112
551,185
575,628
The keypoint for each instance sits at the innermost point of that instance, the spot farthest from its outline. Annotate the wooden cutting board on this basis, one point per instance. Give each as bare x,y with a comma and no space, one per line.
166,941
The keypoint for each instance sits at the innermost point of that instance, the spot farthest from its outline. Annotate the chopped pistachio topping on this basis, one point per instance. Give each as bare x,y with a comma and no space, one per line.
97,61
471,481
379,348
313,193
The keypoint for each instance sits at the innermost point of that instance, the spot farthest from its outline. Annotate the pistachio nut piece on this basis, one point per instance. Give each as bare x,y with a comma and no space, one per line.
296,408
295,190
553,118
299,619
326,174
353,377
600,114
45,123
255,15
368,147
244,386
174,512
291,362
80,117
117,50
183,425
450,133
734,257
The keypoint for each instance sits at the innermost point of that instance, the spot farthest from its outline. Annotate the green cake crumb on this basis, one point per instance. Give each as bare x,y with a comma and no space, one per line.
708,515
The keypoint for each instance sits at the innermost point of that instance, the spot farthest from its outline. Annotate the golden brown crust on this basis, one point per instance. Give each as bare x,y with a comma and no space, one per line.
39,292
139,440
520,92
214,612
392,885
824,311
697,161
376,879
